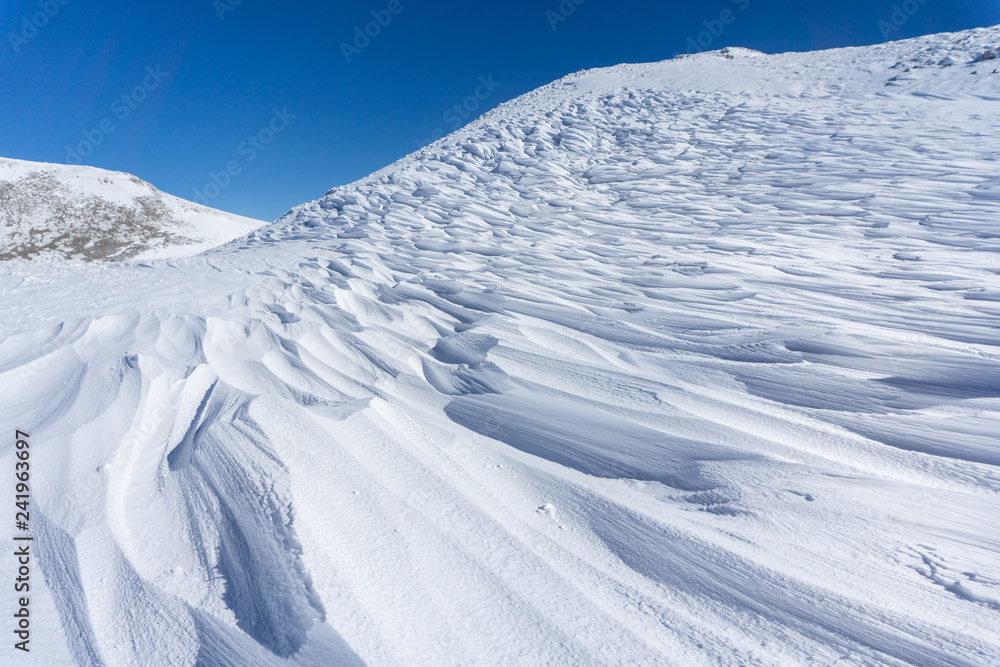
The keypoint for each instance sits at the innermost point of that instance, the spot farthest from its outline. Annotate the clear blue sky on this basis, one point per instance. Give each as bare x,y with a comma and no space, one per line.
64,76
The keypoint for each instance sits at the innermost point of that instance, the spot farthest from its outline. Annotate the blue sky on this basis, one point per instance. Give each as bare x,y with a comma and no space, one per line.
176,92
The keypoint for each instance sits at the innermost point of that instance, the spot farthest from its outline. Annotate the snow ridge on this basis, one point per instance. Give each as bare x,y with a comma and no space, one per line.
688,363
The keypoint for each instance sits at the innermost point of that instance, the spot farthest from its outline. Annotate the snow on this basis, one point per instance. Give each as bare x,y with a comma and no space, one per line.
687,363
53,212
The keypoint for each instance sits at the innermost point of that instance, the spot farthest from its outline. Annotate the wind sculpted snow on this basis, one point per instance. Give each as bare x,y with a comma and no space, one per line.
688,363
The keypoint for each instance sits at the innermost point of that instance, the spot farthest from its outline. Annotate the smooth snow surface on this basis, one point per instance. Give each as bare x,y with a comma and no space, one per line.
687,363
52,212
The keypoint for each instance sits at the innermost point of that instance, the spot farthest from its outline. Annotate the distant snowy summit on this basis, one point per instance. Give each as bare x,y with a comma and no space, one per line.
53,212
931,65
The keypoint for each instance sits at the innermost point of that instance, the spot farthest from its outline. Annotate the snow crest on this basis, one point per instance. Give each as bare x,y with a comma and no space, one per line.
688,363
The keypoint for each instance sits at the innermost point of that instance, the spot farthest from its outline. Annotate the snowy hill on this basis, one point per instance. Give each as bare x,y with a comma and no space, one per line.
52,212
685,363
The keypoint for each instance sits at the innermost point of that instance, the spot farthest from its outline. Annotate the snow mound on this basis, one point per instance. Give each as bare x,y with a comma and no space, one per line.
685,363
52,212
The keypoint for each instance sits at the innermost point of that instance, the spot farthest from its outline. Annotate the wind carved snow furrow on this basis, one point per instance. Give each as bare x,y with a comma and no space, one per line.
685,363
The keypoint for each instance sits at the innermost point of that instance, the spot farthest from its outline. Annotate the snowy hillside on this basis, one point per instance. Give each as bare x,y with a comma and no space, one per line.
50,211
687,363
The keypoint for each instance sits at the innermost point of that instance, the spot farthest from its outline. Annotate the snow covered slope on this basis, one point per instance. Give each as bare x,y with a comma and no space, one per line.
50,211
687,363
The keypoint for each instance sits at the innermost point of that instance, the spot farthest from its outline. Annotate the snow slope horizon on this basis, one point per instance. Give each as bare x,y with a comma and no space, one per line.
693,362
961,46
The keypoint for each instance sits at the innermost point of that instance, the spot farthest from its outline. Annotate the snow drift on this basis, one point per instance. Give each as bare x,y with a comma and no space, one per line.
687,363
